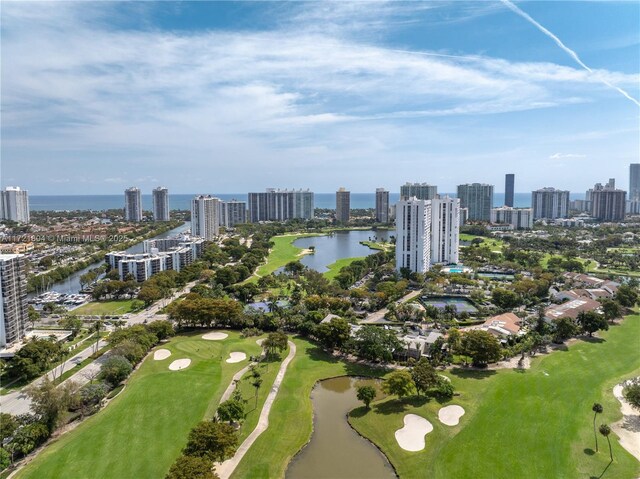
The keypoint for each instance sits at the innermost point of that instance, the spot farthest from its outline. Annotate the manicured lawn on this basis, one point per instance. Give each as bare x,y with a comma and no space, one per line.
143,430
283,252
493,243
531,424
105,307
334,268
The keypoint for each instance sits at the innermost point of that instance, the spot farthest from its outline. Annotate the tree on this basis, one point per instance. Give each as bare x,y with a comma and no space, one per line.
91,395
72,323
632,394
366,394
34,358
115,369
627,296
481,346
5,459
149,294
611,309
275,343
399,383
376,344
48,402
231,410
454,341
215,441
191,467
605,431
333,334
597,409
162,329
424,376
33,316
256,382
564,329
8,425
591,321
28,437
505,298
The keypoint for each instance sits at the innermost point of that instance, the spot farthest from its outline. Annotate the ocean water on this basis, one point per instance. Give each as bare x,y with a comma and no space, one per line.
183,202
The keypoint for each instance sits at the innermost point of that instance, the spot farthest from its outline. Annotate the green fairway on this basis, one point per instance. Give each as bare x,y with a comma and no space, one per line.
334,268
531,424
493,243
283,252
123,306
143,430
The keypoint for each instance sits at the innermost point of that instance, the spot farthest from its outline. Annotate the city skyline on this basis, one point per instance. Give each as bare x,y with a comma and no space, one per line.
401,83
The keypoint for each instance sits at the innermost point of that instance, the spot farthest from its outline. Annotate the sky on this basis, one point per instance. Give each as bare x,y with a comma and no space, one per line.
226,97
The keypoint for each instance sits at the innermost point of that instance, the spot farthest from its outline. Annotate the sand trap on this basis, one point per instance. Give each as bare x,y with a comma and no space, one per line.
179,364
411,436
215,336
446,378
260,341
450,415
161,354
236,357
628,429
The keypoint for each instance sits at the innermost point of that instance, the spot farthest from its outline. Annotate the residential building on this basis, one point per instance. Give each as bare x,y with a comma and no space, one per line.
382,205
518,218
132,204
233,213
421,191
14,204
509,184
464,216
13,298
445,230
571,309
478,198
609,204
343,205
549,203
502,326
204,217
634,182
413,235
160,204
280,205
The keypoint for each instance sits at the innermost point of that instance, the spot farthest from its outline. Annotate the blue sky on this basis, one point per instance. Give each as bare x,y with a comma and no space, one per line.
232,97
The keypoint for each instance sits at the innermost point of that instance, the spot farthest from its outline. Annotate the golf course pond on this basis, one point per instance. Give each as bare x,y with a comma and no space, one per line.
335,449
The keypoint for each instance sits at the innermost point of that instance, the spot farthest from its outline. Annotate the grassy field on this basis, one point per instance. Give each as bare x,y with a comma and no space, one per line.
334,268
282,253
113,307
531,424
143,430
493,243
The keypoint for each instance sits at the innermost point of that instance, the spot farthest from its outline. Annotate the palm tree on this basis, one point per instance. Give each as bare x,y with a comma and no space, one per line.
256,383
597,409
605,431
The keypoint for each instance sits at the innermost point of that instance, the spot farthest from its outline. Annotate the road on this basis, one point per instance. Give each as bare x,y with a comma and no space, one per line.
378,316
151,313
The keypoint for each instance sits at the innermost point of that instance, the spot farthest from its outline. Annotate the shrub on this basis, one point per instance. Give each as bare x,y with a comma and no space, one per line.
115,369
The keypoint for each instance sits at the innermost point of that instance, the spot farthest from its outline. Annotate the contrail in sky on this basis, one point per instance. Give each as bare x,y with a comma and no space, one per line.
571,53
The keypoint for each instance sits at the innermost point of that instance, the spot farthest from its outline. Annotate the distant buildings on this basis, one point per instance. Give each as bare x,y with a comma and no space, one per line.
232,213
343,205
509,183
478,199
608,204
518,218
204,217
280,205
132,204
634,182
445,230
382,205
421,191
160,204
14,204
549,203
13,298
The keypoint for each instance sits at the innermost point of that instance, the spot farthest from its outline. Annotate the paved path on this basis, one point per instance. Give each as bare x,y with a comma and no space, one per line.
151,313
232,385
225,469
378,316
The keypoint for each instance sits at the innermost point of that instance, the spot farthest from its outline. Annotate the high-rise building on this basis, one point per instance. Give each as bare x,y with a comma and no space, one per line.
233,213
382,205
14,204
445,230
421,191
549,203
509,183
161,204
413,234
343,205
464,216
519,218
634,182
132,204
478,198
204,217
608,204
13,298
280,205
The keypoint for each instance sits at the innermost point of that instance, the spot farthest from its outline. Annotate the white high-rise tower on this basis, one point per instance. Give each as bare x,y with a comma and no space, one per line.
413,234
204,217
445,230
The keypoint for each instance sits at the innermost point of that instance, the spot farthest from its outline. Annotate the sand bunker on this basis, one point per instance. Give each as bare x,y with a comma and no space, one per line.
411,436
179,364
450,415
628,429
236,357
215,336
161,354
260,341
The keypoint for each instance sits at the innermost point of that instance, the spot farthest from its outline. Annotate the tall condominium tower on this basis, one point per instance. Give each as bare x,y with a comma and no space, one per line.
13,298
634,182
132,204
233,213
445,230
280,205
161,204
413,234
518,218
608,204
382,205
14,204
478,199
343,205
204,217
421,191
509,183
549,203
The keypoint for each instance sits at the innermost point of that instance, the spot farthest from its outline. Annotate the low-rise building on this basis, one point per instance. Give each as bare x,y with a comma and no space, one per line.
571,309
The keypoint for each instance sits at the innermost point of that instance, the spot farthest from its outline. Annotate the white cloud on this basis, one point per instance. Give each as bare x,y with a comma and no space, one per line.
566,156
